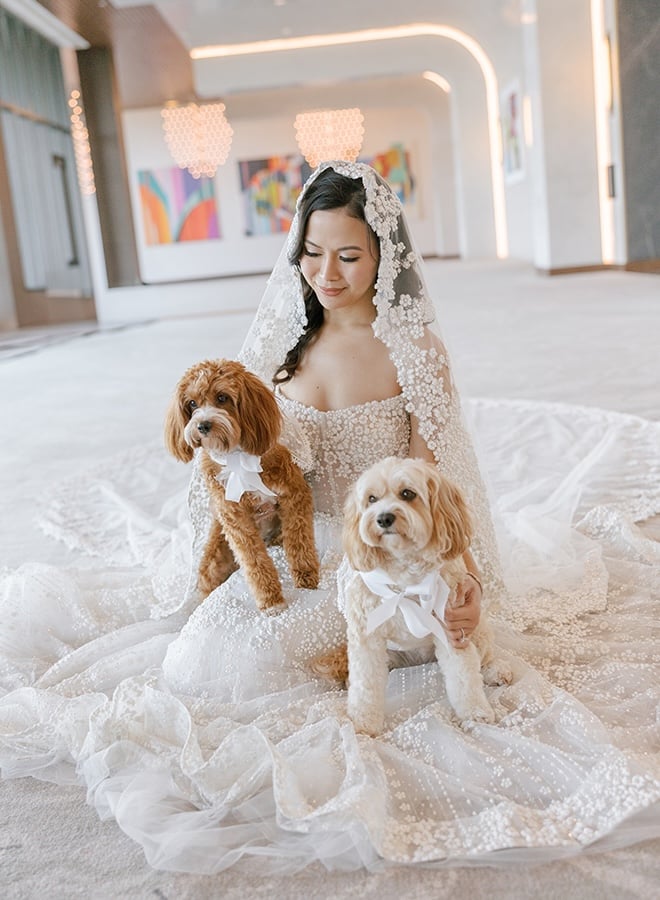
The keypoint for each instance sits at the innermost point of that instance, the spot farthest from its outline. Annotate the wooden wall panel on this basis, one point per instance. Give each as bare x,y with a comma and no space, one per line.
151,64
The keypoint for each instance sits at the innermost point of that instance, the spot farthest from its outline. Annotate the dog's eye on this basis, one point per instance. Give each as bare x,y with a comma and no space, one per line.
408,495
372,499
222,399
191,406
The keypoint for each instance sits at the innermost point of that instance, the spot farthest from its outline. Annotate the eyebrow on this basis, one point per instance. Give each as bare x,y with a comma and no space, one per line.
339,249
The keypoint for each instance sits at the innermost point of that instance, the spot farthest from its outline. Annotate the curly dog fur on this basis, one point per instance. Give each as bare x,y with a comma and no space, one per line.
407,521
218,408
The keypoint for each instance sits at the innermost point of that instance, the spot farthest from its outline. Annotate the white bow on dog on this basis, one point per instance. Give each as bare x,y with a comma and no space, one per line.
240,474
421,618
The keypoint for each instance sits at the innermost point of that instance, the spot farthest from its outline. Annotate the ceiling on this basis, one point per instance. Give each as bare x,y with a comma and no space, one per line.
151,41
203,22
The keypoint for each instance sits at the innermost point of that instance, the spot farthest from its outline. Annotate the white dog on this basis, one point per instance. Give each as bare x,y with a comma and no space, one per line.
406,529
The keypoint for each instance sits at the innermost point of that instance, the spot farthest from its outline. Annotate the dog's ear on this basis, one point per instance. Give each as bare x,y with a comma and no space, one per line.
452,524
361,556
260,417
175,423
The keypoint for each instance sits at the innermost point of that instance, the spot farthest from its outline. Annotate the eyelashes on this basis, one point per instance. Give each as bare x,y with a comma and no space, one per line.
344,259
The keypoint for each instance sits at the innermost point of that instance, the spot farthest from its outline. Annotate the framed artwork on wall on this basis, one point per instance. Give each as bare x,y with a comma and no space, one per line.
513,145
270,186
394,165
191,230
177,207
269,190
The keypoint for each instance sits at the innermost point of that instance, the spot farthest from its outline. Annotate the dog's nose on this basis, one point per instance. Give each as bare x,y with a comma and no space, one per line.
386,520
204,427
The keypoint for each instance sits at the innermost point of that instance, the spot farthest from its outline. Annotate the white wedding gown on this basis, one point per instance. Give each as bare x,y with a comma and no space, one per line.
202,732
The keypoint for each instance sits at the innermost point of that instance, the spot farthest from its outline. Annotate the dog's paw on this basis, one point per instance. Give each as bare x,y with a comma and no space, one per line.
483,714
369,726
498,671
473,706
366,718
274,610
306,578
367,732
272,607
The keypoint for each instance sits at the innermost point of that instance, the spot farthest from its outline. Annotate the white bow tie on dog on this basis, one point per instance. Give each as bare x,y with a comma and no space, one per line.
421,618
240,474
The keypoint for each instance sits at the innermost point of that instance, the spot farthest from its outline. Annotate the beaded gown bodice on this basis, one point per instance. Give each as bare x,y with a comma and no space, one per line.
342,443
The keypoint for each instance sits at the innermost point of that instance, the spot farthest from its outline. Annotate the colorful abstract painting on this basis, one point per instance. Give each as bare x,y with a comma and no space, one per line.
513,159
177,207
270,188
394,166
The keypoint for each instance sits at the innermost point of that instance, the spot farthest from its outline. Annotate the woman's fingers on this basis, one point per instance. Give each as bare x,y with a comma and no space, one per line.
462,613
458,637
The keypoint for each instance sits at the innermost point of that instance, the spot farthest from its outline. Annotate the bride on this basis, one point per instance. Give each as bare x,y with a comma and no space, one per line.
202,726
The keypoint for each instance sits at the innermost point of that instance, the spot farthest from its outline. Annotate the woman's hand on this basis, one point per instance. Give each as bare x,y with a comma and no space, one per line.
462,612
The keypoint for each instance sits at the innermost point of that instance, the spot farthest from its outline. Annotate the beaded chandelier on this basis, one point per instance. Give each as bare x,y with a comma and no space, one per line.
81,148
198,136
329,134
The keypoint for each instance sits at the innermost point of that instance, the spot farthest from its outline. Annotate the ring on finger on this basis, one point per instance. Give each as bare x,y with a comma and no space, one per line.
463,637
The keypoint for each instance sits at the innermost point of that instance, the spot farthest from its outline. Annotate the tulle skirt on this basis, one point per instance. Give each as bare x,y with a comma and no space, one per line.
202,730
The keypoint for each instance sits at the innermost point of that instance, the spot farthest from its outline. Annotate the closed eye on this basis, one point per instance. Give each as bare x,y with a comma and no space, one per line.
407,495
314,255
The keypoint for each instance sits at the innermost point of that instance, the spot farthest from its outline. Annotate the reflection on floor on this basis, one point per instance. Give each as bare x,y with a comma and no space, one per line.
29,340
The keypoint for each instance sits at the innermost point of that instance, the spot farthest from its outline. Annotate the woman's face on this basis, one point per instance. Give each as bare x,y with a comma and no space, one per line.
338,259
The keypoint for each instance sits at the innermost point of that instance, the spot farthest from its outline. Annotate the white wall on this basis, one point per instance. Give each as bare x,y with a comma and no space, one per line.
230,255
205,289
444,161
408,56
567,227
234,253
551,210
472,153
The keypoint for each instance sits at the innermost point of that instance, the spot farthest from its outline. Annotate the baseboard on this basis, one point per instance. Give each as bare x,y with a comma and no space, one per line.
578,270
651,266
40,309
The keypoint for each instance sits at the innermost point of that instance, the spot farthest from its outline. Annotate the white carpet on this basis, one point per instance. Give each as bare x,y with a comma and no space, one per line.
586,339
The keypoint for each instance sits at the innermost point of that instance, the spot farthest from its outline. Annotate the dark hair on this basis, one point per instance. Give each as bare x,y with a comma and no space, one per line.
329,190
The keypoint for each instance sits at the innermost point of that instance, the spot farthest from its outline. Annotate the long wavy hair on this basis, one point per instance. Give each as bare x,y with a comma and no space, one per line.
328,191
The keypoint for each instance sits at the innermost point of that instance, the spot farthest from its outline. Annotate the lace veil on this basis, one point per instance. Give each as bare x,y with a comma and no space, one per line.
405,323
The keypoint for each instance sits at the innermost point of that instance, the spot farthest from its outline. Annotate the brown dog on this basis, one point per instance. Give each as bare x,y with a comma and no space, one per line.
232,417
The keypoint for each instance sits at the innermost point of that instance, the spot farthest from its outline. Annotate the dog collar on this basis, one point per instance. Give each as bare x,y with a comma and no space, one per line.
240,474
422,616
